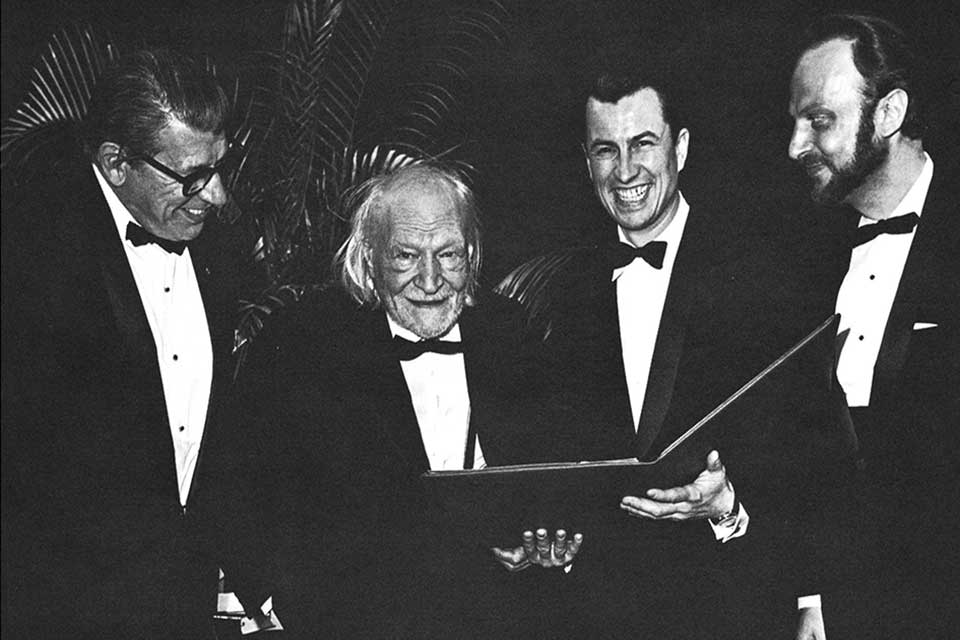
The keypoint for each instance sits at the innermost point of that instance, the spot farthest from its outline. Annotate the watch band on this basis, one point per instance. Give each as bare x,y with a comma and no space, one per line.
728,518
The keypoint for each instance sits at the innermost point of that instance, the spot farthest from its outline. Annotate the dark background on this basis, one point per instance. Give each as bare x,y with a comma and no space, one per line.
519,124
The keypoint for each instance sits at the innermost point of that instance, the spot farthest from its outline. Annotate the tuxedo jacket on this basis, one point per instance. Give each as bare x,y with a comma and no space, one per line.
898,543
715,333
363,549
95,540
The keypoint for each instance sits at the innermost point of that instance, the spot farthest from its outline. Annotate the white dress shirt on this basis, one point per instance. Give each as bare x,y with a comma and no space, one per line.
641,294
864,302
171,299
441,401
866,295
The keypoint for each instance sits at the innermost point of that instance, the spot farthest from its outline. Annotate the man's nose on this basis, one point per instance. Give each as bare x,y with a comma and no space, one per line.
428,275
214,192
626,167
799,141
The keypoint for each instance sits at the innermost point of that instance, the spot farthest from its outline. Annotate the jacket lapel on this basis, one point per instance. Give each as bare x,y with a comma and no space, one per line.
136,339
399,426
209,267
919,274
682,290
136,352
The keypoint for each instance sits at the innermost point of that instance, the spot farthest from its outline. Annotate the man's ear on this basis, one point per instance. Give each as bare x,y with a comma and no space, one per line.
683,140
112,164
890,112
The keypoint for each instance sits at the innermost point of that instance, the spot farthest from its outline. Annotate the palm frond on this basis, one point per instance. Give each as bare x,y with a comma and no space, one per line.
59,95
527,284
254,314
462,33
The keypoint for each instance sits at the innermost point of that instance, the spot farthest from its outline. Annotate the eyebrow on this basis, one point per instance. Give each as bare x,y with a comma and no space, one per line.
639,136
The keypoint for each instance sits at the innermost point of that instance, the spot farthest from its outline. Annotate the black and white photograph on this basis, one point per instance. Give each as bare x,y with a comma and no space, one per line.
492,319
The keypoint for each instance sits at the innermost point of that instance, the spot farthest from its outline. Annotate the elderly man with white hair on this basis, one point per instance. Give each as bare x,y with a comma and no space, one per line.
404,367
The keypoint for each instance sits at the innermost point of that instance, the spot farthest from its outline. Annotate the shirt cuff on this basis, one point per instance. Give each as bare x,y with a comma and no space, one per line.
729,530
806,602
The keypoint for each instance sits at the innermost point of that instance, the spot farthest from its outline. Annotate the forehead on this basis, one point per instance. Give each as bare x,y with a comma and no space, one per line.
419,210
183,147
825,77
628,117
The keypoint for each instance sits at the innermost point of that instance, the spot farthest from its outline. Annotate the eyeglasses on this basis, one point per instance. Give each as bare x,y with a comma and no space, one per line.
196,181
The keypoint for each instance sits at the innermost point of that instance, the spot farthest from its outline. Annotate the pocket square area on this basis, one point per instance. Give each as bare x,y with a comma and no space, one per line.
919,326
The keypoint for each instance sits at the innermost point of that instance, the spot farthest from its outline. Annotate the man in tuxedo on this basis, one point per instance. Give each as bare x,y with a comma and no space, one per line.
647,331
404,367
118,327
887,262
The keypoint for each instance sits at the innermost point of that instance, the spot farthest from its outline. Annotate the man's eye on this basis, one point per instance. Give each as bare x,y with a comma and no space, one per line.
452,254
603,153
404,255
820,122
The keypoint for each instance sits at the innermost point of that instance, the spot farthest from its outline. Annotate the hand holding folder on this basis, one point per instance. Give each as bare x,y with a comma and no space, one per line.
501,502
708,496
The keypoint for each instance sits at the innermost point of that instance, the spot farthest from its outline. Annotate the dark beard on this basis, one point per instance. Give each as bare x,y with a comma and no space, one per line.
868,156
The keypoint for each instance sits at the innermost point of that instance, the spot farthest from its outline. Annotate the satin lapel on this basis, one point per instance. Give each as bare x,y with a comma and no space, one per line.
217,306
475,368
597,359
683,289
606,304
919,273
390,398
119,285
136,351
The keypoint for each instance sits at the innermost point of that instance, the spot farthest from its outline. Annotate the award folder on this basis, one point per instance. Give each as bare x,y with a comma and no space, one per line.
503,501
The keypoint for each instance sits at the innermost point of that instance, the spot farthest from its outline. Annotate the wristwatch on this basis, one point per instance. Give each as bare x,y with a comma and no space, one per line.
729,518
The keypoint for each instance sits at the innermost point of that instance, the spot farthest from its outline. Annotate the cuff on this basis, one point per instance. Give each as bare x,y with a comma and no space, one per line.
805,602
730,528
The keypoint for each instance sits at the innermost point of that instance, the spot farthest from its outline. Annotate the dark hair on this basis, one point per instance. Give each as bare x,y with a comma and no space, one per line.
367,208
617,73
139,96
883,56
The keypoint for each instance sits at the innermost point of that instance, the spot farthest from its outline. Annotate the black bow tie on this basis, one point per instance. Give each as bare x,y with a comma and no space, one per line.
895,225
622,254
140,236
406,350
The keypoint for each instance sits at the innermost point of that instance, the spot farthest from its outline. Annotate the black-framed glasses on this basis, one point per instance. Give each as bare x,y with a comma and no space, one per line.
196,181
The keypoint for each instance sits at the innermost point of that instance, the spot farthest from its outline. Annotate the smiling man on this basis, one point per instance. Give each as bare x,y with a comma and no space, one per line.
118,325
889,266
404,367
650,327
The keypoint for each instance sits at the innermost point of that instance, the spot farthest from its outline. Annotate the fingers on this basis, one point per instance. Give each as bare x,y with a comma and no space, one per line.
686,493
540,550
713,461
528,544
574,547
655,510
560,545
543,544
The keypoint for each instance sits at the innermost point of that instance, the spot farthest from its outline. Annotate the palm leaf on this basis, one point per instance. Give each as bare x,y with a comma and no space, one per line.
59,96
443,72
527,284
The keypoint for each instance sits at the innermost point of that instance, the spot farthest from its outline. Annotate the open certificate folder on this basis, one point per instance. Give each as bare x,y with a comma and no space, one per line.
497,501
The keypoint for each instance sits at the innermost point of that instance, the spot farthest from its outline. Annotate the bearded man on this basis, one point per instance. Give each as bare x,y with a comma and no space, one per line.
891,272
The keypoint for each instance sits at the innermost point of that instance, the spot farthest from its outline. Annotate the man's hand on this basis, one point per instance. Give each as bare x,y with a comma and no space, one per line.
539,550
810,624
709,496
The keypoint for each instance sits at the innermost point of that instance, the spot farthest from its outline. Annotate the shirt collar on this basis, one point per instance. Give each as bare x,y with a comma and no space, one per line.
121,215
453,335
913,200
671,235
